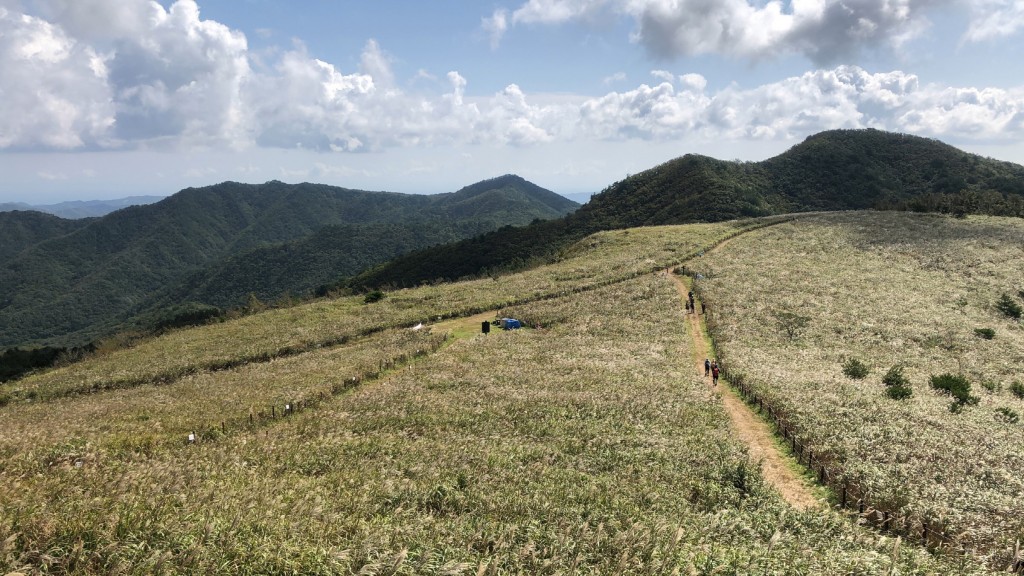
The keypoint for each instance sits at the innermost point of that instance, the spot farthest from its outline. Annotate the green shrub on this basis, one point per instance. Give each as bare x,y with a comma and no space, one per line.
375,296
855,369
1017,388
956,386
897,386
991,386
986,333
895,377
1007,415
791,323
1009,307
899,392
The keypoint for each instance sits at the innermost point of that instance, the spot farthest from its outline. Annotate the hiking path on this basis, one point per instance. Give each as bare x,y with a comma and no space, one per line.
779,470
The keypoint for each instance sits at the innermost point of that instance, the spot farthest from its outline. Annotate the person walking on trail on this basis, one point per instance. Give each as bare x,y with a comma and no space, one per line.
707,367
692,307
714,373
703,307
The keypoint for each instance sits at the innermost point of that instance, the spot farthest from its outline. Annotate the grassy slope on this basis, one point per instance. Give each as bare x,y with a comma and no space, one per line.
890,290
602,258
585,447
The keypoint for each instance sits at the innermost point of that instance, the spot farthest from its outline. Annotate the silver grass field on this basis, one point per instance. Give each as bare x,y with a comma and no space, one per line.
585,444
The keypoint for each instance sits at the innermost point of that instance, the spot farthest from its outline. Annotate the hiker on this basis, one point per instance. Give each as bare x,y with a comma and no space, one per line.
692,307
703,307
714,373
707,367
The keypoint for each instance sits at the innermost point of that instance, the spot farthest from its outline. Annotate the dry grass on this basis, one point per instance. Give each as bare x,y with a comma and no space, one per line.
888,289
281,332
587,447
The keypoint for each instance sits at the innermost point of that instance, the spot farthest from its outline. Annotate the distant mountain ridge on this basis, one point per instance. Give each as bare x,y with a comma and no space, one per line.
67,282
834,170
75,209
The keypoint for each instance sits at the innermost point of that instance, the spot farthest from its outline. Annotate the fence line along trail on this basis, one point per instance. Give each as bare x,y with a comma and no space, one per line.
778,470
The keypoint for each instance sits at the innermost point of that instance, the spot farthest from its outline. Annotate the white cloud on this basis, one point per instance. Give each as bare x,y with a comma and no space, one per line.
377,65
556,11
166,78
823,30
992,19
614,78
54,90
307,103
694,82
663,75
179,78
109,71
844,97
496,26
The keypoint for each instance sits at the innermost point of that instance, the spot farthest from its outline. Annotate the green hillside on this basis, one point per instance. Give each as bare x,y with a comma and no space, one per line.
331,438
300,267
836,170
22,229
72,287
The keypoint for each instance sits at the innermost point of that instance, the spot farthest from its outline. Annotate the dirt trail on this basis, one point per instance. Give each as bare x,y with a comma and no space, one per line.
778,470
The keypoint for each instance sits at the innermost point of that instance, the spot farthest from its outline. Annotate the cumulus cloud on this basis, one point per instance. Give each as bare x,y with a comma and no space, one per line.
843,97
54,90
178,77
994,19
825,31
167,78
104,72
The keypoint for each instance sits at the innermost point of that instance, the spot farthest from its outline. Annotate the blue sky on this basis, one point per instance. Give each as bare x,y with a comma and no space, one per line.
110,98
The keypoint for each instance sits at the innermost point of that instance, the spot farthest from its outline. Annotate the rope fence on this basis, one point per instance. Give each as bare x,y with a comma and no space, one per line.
932,533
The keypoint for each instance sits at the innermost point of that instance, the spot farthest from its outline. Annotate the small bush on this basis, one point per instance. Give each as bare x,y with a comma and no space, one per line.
899,392
986,333
956,386
371,297
1017,388
991,386
1009,307
791,323
855,369
1007,415
897,386
895,377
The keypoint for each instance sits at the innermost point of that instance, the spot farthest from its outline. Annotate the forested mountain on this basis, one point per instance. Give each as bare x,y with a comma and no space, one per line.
835,170
22,229
67,288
